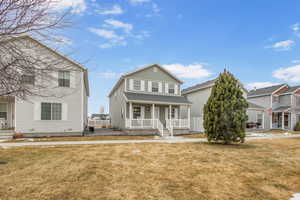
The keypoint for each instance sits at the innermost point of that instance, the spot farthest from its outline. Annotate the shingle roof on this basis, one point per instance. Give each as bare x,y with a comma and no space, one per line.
203,85
281,108
198,86
156,98
254,106
264,91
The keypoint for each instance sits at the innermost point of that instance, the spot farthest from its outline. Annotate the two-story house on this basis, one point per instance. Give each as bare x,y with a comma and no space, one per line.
60,108
282,104
199,94
148,101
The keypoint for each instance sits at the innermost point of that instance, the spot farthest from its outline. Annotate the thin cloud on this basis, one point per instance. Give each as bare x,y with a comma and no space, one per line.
289,74
138,2
191,71
284,45
115,10
116,24
76,6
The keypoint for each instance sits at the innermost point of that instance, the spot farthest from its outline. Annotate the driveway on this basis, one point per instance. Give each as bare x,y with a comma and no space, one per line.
163,140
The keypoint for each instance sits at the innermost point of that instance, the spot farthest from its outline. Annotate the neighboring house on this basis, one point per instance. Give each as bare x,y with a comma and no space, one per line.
281,103
64,113
148,101
100,116
199,94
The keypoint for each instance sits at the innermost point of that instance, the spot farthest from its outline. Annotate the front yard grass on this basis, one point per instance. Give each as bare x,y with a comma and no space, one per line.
195,135
261,169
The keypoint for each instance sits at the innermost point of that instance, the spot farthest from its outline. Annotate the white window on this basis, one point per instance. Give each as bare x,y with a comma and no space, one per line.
275,99
137,85
51,111
171,89
64,79
3,111
27,79
155,87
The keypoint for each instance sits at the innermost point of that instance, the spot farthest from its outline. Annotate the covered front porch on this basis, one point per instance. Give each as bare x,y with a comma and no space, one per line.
7,113
141,115
156,113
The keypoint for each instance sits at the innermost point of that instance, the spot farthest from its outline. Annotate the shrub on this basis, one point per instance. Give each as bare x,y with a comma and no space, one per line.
297,127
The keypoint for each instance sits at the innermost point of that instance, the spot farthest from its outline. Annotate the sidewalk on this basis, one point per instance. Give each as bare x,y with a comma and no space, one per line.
167,140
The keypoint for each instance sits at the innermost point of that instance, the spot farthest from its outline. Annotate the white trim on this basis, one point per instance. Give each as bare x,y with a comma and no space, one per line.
15,114
279,88
82,100
161,103
125,83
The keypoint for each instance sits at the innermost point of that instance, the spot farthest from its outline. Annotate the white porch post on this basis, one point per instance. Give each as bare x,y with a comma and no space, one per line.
130,114
170,112
189,116
263,120
153,115
282,121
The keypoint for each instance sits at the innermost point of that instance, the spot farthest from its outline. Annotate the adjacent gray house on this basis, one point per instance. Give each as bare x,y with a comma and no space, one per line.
281,104
148,101
199,94
64,113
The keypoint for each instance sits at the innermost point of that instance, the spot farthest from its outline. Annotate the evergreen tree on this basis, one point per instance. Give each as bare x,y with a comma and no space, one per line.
225,111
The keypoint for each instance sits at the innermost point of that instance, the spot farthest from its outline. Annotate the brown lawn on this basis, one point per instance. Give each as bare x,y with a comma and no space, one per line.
266,170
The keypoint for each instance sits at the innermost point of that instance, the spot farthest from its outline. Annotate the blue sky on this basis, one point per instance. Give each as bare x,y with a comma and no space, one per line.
257,40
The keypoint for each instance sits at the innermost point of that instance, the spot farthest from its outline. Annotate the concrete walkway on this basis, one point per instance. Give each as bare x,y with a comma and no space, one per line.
166,140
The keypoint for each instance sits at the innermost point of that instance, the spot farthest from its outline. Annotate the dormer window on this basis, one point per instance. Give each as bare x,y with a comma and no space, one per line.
155,86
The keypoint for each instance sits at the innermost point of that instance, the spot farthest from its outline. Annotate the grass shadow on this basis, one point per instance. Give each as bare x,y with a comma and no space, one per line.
231,146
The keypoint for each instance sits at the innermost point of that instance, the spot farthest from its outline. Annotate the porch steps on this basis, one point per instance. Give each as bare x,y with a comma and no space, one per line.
6,134
167,133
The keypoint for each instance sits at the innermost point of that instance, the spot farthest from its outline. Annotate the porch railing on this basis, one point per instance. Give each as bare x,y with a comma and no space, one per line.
98,123
178,123
144,124
140,123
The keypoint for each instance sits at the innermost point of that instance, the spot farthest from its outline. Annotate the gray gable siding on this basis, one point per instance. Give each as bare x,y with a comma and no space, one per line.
148,75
